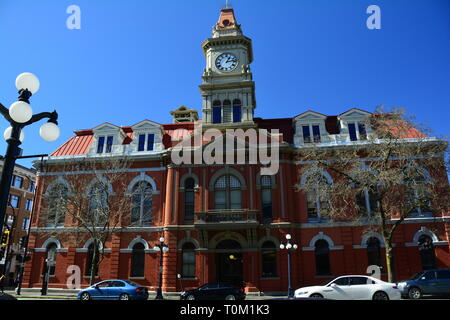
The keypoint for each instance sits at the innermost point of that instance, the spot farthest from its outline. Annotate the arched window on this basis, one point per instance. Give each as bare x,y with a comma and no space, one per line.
138,260
322,252
217,111
98,204
89,260
317,200
188,268
57,205
374,252
189,200
227,193
426,250
226,111
141,212
51,256
366,202
266,197
269,259
417,195
237,110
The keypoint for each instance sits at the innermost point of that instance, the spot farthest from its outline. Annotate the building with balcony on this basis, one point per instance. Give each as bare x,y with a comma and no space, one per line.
222,222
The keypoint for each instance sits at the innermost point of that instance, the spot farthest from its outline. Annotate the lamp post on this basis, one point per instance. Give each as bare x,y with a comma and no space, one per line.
163,248
20,115
289,246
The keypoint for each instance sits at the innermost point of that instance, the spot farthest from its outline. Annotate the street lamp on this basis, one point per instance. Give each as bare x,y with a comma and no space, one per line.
162,248
289,247
20,115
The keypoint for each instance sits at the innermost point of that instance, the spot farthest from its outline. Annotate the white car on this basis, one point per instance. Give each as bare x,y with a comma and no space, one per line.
352,287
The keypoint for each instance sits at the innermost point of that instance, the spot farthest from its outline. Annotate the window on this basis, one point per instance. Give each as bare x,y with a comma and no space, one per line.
98,207
266,197
138,260
189,200
25,224
57,203
101,144
358,281
443,274
315,129
237,110
14,201
366,202
188,260
109,143
426,251
374,252
17,181
89,261
430,275
357,131
31,187
417,196
322,253
28,204
226,111
51,256
227,193
269,259
344,281
142,201
217,111
316,197
142,146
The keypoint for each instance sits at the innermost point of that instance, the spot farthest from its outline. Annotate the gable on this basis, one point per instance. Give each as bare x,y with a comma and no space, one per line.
355,113
310,115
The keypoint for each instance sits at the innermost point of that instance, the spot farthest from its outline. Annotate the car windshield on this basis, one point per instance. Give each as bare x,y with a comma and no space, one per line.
416,276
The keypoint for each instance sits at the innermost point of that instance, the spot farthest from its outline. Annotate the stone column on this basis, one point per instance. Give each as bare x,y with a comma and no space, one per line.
169,276
169,196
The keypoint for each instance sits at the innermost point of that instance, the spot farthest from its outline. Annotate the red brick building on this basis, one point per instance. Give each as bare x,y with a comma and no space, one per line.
223,222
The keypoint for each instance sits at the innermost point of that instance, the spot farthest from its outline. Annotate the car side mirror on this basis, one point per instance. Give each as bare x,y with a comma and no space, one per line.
423,278
333,285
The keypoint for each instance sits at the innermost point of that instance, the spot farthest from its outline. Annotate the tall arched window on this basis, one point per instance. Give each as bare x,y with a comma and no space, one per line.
189,200
51,256
141,212
266,197
226,111
98,204
57,205
188,261
417,194
374,252
366,202
269,259
317,200
138,260
89,260
322,252
237,112
426,250
227,193
217,111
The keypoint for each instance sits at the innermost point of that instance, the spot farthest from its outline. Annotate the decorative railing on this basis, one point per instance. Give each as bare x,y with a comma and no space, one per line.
227,216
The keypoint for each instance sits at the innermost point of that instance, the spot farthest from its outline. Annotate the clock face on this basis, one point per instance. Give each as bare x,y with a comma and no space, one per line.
226,62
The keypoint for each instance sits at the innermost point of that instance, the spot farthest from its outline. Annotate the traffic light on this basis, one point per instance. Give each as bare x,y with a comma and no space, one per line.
2,252
22,242
5,237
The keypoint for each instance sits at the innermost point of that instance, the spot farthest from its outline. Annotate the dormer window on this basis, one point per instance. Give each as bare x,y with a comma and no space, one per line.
101,144
315,129
357,131
142,145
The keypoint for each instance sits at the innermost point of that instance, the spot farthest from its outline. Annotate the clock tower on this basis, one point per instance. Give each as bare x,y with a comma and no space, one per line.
227,88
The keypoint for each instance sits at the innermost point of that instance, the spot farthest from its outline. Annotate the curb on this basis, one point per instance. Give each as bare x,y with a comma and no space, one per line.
44,297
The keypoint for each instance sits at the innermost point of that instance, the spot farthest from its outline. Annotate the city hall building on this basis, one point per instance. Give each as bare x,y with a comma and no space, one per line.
221,222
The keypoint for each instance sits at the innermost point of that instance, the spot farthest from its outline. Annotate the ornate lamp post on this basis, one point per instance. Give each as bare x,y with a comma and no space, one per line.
162,248
20,115
289,247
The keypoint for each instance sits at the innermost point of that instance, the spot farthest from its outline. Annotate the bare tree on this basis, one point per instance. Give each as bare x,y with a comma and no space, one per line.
396,170
90,196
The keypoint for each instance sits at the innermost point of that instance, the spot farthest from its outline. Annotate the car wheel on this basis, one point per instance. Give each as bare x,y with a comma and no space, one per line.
85,296
124,296
414,293
230,297
380,295
316,295
190,297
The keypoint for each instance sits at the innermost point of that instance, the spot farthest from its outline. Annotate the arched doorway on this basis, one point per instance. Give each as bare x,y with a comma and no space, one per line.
229,262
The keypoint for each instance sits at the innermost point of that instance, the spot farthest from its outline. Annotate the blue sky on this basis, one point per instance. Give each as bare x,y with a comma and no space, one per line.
139,59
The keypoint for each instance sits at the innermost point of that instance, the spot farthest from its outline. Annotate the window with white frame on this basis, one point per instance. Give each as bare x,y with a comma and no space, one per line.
28,204
17,181
98,204
57,205
141,212
14,201
104,144
31,186
357,131
318,203
366,202
417,194
311,133
25,223
228,193
146,142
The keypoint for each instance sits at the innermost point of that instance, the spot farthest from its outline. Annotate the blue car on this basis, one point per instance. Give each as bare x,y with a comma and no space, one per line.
429,282
114,290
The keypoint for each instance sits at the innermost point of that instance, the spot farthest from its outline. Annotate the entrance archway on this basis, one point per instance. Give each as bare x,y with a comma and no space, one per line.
229,267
